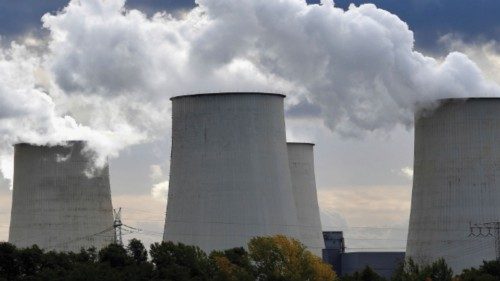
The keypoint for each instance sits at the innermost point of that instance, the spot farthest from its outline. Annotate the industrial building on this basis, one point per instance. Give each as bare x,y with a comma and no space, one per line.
229,172
346,263
301,162
456,191
60,201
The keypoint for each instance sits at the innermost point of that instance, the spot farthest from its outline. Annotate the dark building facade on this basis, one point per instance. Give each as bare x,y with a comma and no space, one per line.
334,248
384,263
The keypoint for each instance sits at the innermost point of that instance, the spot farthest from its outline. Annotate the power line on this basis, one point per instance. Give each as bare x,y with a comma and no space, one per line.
83,237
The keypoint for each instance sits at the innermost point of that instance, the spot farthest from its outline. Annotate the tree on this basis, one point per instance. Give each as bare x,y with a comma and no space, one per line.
411,271
30,260
488,271
491,267
439,271
137,251
231,265
8,262
114,255
85,256
280,258
367,274
179,262
270,258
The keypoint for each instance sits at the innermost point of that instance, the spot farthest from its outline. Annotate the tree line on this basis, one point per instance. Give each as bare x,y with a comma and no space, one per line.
437,271
275,258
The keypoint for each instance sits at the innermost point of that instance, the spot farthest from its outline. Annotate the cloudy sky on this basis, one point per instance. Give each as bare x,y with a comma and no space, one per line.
354,75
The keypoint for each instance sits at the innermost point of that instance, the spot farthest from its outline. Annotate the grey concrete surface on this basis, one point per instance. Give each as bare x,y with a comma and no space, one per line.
59,201
229,174
301,162
456,182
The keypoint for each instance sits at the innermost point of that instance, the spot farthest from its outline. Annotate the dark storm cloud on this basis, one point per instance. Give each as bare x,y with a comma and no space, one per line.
152,6
470,20
20,17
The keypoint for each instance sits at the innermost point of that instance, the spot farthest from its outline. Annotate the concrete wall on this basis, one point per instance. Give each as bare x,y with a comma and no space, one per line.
229,174
456,181
301,161
55,204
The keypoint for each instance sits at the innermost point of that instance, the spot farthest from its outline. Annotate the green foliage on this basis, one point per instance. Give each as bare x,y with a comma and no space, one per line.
8,262
367,274
231,265
111,263
114,255
270,258
411,271
179,262
137,251
489,271
279,258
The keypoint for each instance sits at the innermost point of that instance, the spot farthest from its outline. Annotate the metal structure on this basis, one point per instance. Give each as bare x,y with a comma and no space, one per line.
60,201
229,174
117,225
456,181
301,162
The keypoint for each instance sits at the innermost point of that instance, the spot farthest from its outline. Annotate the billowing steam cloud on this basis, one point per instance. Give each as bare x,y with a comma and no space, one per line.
105,73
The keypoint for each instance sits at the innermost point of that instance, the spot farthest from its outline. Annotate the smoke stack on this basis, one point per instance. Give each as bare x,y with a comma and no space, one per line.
229,174
56,204
456,182
301,161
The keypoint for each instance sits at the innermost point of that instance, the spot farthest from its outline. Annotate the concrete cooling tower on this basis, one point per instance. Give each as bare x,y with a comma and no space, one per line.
229,174
58,203
301,161
456,182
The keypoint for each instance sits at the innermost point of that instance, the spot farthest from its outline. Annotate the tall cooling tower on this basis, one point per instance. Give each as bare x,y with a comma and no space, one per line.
56,203
229,174
456,182
301,161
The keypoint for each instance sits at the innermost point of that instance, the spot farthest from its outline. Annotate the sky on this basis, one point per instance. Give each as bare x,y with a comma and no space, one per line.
354,77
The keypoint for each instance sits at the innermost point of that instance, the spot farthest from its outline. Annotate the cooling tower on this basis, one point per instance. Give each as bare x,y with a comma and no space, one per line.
229,174
59,203
301,162
456,181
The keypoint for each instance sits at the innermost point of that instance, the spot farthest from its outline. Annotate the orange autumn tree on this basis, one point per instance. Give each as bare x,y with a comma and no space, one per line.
232,265
281,258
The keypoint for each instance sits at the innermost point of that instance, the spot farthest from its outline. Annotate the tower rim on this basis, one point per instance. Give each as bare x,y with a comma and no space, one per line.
227,94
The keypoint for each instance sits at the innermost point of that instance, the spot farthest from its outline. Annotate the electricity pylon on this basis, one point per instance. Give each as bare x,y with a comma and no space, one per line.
117,225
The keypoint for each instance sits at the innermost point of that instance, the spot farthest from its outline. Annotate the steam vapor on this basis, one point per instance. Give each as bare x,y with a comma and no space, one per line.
105,73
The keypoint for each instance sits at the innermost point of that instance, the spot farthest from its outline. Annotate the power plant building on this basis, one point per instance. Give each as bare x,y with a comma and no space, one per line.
456,183
301,162
347,263
229,172
60,201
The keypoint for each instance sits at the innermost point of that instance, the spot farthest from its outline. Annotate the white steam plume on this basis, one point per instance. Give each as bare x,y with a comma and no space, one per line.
105,73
